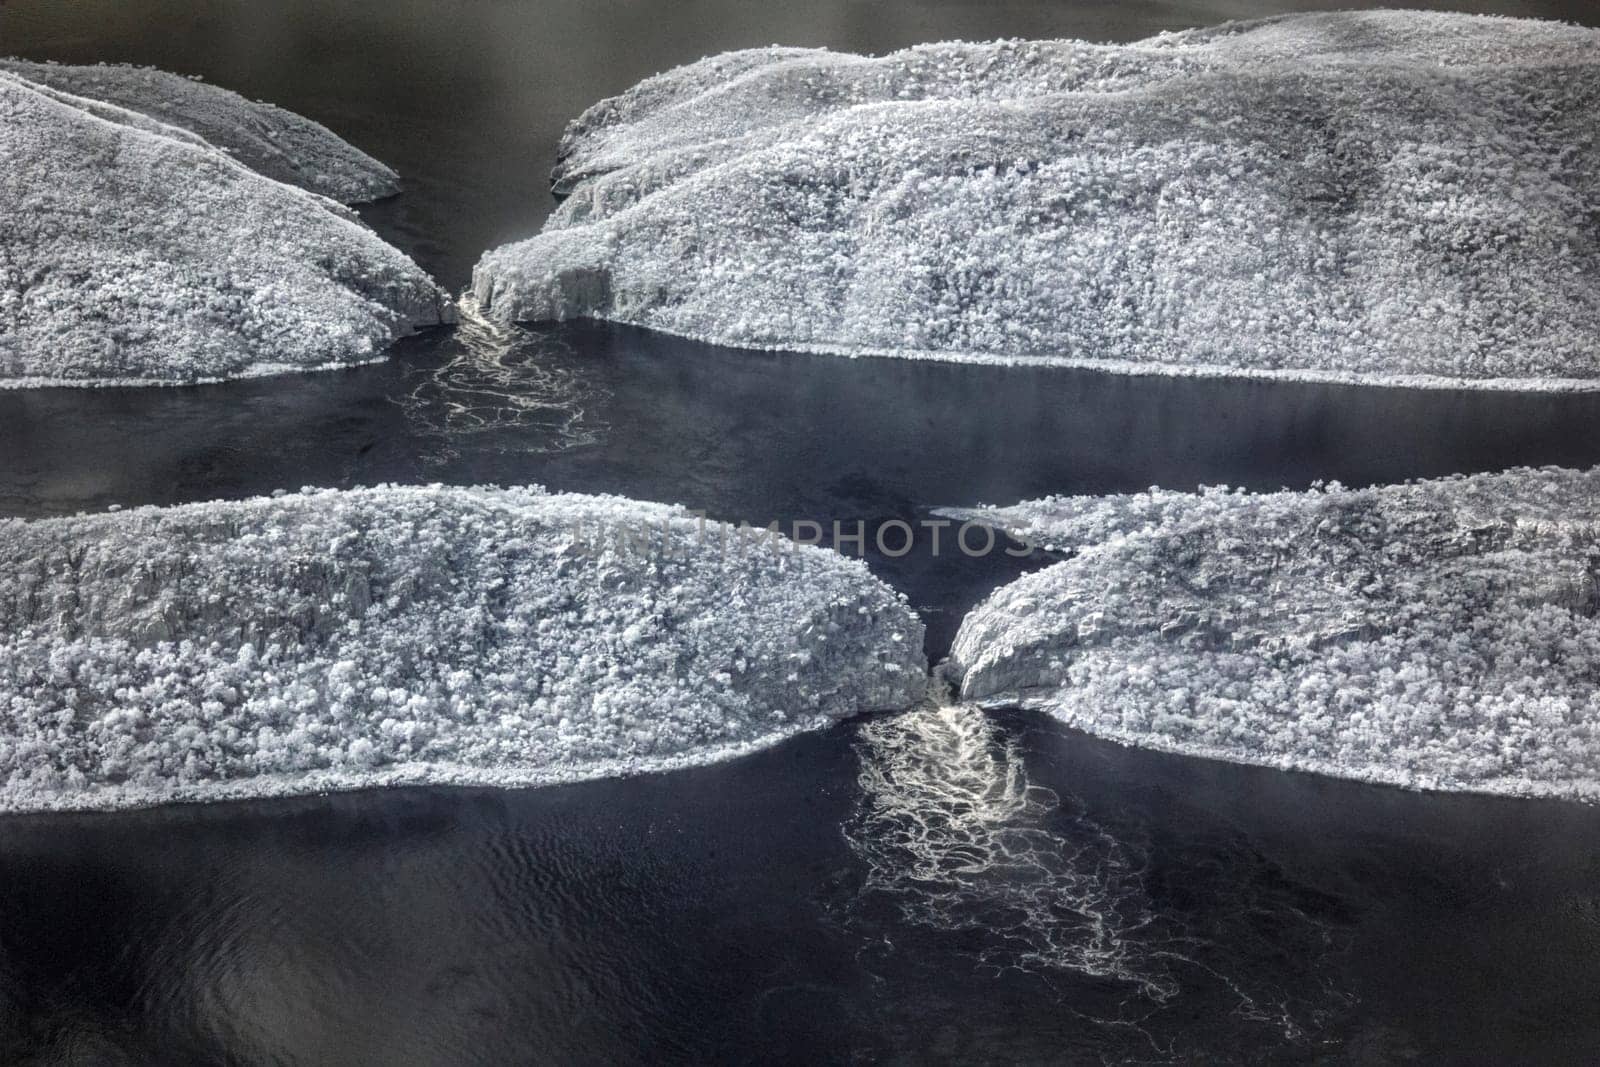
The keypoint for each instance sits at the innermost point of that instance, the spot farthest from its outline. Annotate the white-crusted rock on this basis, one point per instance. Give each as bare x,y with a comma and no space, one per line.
134,252
267,139
1441,634
1375,196
335,640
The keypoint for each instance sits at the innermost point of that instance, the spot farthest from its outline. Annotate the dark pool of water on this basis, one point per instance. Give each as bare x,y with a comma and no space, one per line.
815,902
721,914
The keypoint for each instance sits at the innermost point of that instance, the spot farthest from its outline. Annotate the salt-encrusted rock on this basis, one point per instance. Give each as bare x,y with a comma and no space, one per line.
267,139
333,640
134,252
1380,196
1441,634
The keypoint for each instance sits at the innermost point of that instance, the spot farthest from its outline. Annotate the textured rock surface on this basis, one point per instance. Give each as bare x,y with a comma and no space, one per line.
1380,196
133,252
267,139
333,640
1441,634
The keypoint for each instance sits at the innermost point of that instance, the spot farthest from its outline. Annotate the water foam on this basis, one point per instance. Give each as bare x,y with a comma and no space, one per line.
526,388
951,827
957,838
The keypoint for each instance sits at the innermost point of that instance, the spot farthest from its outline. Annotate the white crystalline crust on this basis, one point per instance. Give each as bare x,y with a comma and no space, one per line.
1393,197
337,640
280,144
1441,634
134,252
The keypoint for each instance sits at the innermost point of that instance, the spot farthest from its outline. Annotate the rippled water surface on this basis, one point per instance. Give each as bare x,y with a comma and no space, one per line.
939,886
933,887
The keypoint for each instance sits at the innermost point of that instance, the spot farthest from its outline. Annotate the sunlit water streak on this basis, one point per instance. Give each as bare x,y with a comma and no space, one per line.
501,378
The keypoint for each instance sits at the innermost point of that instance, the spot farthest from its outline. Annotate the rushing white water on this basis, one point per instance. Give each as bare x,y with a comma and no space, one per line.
957,837
952,829
503,377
